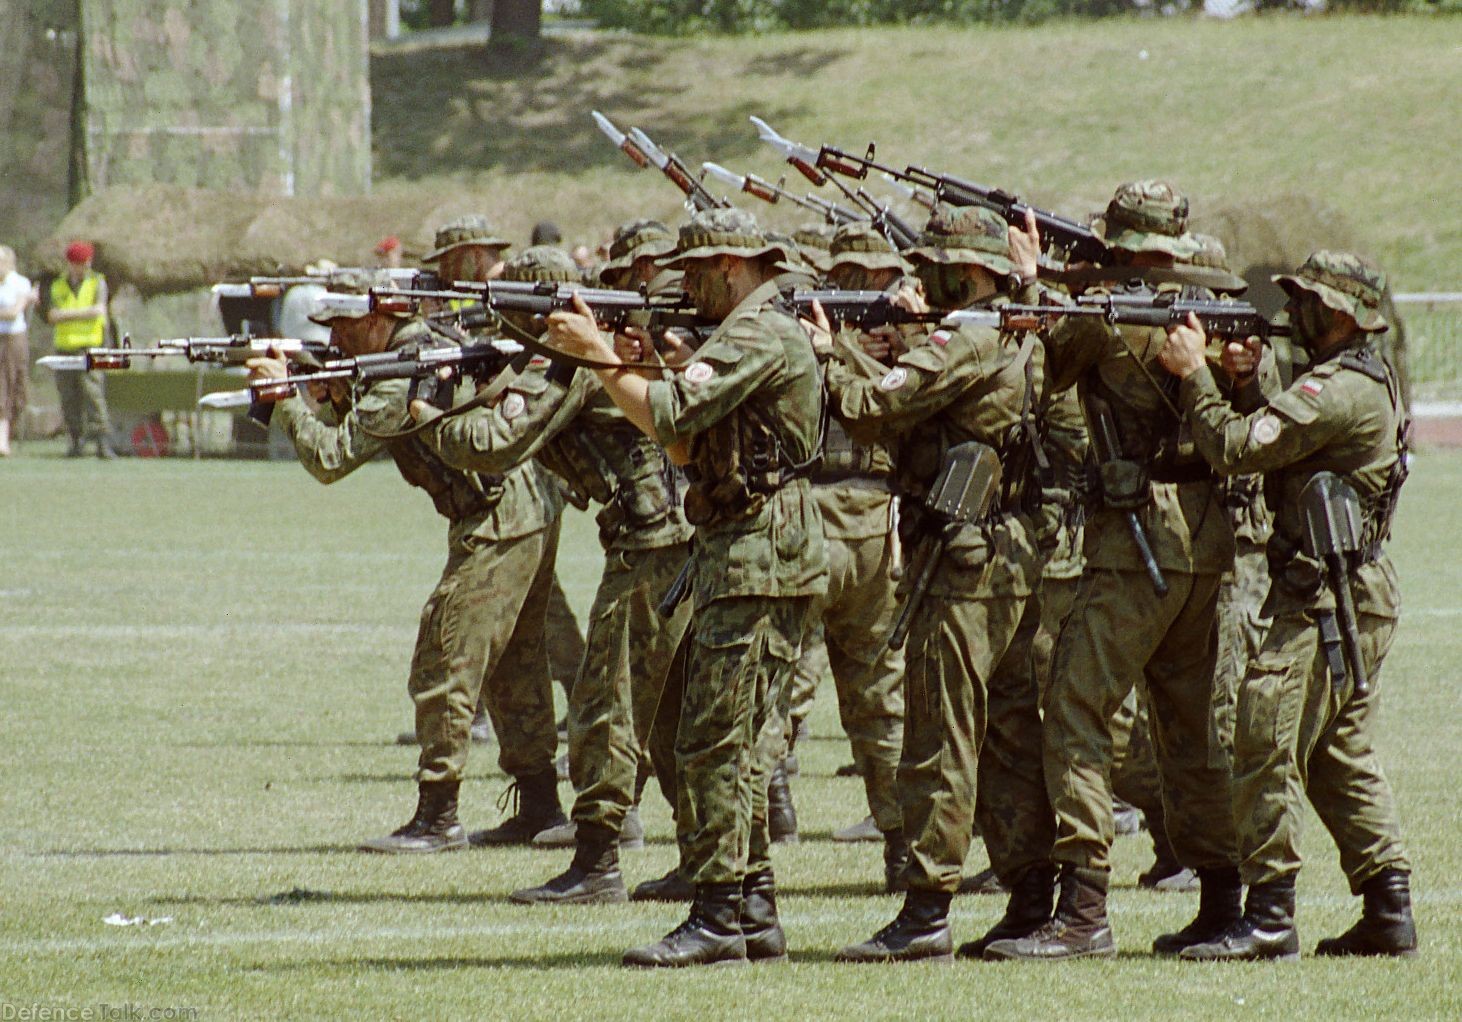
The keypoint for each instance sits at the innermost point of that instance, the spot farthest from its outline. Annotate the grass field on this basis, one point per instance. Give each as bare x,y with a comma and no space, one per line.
1272,114
203,674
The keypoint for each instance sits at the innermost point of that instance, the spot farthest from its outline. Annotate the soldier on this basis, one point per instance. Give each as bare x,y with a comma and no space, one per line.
743,417
1122,632
852,487
963,383
500,538
575,429
1303,725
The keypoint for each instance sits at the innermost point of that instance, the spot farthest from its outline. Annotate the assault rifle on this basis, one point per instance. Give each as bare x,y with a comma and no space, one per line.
763,189
899,232
1333,536
233,350
613,310
642,150
273,287
436,364
1074,240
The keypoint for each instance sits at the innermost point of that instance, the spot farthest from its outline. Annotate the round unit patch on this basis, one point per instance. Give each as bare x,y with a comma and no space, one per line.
699,372
513,405
895,379
1265,430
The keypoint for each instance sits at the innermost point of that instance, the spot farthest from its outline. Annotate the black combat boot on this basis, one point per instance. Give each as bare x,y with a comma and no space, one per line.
1220,905
1078,929
1265,930
919,933
895,859
1385,926
434,827
1029,908
669,887
983,882
781,816
536,809
710,936
765,941
1166,873
593,877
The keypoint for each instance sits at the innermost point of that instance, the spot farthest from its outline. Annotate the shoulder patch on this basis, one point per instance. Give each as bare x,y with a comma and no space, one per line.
1265,430
1312,387
939,337
699,372
1297,404
894,379
513,405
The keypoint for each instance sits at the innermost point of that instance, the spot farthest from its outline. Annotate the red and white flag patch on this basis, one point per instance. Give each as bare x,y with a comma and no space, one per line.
939,337
1312,387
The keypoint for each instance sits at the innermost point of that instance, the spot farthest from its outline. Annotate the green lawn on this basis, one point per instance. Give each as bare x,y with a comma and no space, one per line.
1284,120
204,671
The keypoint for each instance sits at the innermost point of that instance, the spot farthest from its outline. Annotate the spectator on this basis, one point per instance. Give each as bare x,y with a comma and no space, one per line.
17,294
78,311
389,252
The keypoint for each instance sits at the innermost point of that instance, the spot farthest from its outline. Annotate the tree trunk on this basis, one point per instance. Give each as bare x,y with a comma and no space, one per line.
441,13
521,19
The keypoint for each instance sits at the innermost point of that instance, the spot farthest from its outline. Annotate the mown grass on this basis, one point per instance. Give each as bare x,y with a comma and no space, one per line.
1277,115
204,667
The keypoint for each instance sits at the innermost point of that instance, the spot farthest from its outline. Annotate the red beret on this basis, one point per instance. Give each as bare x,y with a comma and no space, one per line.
388,244
79,252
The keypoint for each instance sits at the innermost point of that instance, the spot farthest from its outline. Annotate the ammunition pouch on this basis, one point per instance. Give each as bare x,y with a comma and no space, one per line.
455,494
736,467
1125,484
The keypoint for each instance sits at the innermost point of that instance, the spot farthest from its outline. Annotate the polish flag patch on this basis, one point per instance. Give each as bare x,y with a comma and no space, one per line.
1312,387
939,337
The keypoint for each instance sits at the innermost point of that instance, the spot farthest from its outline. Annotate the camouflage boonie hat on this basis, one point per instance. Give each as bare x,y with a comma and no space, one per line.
637,240
714,232
542,263
1148,216
1210,253
472,229
1344,282
965,234
862,244
348,297
812,245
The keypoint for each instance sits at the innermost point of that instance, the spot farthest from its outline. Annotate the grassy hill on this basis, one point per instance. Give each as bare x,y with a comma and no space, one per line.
1350,113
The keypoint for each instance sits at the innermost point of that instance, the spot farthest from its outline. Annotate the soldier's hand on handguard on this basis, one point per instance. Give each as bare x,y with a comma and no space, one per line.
1183,354
272,366
1240,358
819,329
1025,248
576,333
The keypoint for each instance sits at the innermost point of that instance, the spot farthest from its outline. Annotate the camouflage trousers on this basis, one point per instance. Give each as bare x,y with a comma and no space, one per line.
733,720
1121,635
482,632
1297,734
613,701
83,404
1056,597
850,637
966,677
564,637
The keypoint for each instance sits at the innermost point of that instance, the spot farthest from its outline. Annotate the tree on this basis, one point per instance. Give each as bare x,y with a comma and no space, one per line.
519,19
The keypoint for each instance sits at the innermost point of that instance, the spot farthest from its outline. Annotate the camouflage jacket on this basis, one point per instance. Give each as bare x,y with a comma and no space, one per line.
964,383
749,405
1344,415
334,444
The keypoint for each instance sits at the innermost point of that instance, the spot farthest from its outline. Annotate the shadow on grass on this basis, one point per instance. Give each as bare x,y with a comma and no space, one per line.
104,853
231,743
871,889
575,960
291,899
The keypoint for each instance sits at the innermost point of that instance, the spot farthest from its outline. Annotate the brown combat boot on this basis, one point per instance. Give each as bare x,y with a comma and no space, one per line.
1220,905
1385,926
919,933
1265,930
670,887
765,941
593,877
433,828
781,814
710,936
536,809
1078,929
1029,908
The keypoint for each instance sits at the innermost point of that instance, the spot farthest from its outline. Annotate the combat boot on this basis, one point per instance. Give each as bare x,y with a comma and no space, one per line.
536,808
765,941
895,859
1265,930
1029,908
710,936
433,828
593,877
1385,926
919,933
1220,905
781,816
983,882
669,887
632,830
1078,929
865,829
1166,873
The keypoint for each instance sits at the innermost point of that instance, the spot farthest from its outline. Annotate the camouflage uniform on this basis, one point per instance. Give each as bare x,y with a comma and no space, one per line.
963,683
578,433
491,597
1298,729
